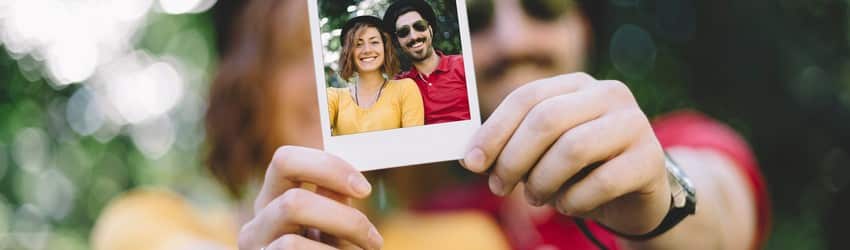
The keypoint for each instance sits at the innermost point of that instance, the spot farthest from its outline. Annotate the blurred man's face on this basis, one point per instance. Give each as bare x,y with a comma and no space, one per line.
414,36
518,44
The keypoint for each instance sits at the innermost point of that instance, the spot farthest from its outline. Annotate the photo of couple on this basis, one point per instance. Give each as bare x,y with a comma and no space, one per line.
389,74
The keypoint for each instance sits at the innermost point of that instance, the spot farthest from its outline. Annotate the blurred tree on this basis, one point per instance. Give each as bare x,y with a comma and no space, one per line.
55,178
777,71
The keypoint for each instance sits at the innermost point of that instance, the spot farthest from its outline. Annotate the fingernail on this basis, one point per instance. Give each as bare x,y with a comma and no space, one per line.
474,160
375,238
531,199
359,184
496,185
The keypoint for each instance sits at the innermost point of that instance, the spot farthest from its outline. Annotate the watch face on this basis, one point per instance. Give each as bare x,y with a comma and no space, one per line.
680,185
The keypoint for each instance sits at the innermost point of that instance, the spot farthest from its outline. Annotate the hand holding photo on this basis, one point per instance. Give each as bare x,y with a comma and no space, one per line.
396,85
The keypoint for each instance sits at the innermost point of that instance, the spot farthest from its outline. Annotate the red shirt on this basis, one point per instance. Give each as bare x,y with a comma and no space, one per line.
443,91
683,128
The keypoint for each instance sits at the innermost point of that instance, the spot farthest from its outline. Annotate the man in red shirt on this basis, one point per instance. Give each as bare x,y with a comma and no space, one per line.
441,78
537,146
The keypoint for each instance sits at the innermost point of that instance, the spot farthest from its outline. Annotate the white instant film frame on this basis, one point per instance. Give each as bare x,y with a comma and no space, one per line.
405,146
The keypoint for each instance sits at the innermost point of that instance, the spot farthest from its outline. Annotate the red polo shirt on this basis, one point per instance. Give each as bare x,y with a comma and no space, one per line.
443,91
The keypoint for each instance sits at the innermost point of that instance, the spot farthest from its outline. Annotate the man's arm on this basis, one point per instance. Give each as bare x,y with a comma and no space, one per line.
549,133
726,209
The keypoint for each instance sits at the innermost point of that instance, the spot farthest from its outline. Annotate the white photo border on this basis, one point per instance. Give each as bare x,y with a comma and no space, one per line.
404,146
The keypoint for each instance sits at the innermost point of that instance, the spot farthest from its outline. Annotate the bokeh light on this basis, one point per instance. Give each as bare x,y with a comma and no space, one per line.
54,194
676,19
84,115
31,149
102,96
154,138
632,51
4,160
185,6
30,228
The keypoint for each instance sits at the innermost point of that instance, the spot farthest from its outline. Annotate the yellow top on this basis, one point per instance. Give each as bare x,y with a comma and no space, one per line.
160,220
398,106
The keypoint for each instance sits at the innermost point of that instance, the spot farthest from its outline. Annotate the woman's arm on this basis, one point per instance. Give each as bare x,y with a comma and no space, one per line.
412,109
333,109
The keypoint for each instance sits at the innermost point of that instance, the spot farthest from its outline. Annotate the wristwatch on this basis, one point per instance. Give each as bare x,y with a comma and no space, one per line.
683,202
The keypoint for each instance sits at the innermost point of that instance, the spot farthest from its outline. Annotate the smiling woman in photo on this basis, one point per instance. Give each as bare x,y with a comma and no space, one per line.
373,102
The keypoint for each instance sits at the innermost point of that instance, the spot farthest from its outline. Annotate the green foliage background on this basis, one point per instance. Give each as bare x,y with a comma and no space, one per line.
97,168
749,64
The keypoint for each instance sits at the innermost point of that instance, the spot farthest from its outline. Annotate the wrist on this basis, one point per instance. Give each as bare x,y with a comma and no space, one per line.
681,205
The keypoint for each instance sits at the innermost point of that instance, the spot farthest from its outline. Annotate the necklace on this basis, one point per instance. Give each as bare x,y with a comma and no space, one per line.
356,95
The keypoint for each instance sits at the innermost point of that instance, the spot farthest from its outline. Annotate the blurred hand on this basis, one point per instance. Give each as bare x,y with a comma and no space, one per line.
549,133
289,217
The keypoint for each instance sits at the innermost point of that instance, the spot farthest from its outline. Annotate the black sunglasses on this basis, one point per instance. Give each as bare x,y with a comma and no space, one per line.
481,11
404,31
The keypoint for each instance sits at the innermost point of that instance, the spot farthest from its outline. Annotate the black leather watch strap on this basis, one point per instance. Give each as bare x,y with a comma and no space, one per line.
673,217
682,204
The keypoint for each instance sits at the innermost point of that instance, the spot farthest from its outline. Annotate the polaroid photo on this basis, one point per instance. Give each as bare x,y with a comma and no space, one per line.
395,80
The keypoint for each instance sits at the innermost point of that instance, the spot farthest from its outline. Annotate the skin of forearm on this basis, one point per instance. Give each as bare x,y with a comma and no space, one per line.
725,214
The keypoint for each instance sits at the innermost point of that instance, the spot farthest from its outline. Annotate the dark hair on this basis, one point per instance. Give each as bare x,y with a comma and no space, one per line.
402,7
391,65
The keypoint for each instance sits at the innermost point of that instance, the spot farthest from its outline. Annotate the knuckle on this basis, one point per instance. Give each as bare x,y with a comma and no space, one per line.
636,119
289,241
326,160
542,118
281,157
617,89
282,153
574,151
604,184
291,201
636,115
361,223
525,96
582,77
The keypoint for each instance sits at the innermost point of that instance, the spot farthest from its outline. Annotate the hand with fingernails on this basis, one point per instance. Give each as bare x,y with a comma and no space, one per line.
580,145
546,135
287,216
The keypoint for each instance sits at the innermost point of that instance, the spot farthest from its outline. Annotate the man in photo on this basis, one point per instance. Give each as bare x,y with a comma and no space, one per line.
440,77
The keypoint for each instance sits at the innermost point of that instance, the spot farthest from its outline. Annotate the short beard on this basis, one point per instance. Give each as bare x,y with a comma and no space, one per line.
428,51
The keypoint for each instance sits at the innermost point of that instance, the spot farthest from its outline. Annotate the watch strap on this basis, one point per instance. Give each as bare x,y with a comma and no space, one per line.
673,217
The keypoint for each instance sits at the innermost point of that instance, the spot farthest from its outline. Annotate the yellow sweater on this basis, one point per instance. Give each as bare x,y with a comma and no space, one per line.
399,106
161,220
